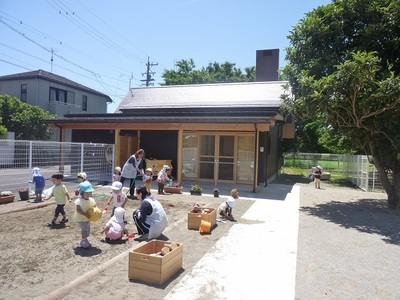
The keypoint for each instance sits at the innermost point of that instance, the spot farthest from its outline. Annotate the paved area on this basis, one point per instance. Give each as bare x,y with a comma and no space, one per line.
260,257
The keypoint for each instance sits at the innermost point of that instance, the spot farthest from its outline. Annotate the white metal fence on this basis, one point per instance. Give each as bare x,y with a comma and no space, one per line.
355,168
18,158
358,170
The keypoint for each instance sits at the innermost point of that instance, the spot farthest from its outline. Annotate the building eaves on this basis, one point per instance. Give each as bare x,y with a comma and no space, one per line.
176,116
182,119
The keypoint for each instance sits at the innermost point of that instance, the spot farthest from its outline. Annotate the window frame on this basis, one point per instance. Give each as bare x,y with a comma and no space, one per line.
24,92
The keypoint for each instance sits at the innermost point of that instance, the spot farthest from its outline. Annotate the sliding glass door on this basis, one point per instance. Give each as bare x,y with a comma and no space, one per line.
217,157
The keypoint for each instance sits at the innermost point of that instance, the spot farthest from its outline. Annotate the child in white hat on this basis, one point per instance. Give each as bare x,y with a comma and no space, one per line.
117,174
317,177
115,227
38,180
117,196
81,177
147,178
162,178
225,209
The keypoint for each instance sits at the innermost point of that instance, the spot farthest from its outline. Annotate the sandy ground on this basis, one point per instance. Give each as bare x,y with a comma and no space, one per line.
348,249
37,260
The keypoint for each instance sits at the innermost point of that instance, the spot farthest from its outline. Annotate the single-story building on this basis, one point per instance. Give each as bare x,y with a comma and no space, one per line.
229,132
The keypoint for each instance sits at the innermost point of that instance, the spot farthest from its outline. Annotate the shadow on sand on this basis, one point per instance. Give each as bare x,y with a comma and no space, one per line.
86,252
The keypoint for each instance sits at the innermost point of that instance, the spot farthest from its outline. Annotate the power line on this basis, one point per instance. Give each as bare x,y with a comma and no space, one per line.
50,51
112,29
58,42
75,19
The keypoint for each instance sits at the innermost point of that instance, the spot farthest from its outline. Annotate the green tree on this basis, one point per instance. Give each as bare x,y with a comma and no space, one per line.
213,73
343,69
3,129
24,119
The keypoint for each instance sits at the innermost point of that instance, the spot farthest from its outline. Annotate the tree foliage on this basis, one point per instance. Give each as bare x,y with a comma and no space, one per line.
24,119
186,73
3,129
344,70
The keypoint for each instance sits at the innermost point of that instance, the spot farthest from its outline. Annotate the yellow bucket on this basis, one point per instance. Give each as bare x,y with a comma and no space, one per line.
205,227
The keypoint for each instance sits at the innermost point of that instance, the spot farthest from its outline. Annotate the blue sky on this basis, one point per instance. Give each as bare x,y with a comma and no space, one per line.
105,45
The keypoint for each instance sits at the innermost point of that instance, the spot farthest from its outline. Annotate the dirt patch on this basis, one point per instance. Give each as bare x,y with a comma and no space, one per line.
37,259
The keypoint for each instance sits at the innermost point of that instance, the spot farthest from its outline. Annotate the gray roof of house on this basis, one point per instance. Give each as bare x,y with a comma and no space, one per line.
226,95
41,74
255,102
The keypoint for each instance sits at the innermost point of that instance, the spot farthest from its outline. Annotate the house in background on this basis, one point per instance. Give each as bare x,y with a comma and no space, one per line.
53,93
229,133
220,133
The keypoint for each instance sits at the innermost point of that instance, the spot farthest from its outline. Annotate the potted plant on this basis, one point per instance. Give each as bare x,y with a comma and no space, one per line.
216,192
24,194
6,197
174,188
195,189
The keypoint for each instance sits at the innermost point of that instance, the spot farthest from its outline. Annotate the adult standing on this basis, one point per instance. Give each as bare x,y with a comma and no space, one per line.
150,218
131,168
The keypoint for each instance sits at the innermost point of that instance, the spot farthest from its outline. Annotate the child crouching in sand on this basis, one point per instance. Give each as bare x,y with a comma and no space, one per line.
115,227
225,209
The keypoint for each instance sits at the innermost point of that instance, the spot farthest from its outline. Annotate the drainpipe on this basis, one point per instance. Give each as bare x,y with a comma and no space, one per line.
255,158
266,151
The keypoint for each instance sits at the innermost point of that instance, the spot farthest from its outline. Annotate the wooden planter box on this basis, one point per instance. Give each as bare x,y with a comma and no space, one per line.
145,266
7,199
173,189
194,219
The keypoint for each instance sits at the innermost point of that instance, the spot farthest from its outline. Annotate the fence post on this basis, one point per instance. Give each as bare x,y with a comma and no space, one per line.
30,167
373,178
82,151
367,175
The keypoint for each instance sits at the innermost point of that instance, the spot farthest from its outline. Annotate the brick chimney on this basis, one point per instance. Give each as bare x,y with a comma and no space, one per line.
267,65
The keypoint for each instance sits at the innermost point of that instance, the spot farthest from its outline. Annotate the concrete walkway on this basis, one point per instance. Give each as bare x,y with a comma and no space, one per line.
251,262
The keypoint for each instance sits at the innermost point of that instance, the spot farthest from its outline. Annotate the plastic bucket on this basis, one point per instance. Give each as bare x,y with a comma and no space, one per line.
205,227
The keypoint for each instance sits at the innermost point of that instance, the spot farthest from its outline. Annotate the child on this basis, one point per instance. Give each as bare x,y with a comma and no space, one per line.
61,195
117,174
147,178
317,177
162,178
118,196
81,177
225,209
115,227
82,205
38,180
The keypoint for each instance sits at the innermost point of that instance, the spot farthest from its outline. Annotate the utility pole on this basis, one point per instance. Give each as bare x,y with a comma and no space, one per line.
149,73
51,67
